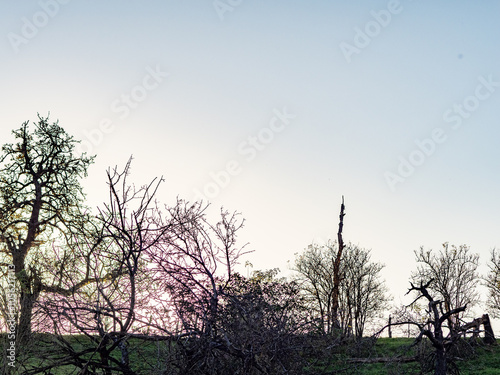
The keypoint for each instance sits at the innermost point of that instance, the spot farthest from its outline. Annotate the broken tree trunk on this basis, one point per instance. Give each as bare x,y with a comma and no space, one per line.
336,269
489,336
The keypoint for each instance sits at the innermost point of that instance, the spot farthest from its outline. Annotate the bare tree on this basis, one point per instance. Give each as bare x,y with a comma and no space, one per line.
362,293
193,269
315,273
433,327
142,265
323,278
112,308
454,273
492,281
226,323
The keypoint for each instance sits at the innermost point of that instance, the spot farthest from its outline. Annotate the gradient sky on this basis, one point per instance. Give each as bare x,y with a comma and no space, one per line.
192,89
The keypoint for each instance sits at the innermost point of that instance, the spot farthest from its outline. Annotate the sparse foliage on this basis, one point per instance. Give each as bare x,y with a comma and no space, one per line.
492,282
144,273
41,206
433,328
362,293
454,273
111,308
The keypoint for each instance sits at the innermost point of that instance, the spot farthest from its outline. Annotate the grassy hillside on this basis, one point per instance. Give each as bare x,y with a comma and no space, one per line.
390,357
394,356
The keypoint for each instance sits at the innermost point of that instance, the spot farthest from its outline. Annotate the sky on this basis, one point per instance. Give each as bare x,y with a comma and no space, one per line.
277,110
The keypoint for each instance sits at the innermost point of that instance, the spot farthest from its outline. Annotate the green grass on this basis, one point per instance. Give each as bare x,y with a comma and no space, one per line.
483,360
145,356
344,359
486,363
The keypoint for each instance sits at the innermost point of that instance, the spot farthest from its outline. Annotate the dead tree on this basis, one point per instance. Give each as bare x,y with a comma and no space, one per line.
114,306
336,268
489,336
433,328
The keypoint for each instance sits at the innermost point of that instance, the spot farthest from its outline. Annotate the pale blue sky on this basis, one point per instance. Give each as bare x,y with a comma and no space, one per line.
226,77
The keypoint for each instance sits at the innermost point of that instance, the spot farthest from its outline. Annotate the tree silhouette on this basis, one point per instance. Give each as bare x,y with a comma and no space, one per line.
41,201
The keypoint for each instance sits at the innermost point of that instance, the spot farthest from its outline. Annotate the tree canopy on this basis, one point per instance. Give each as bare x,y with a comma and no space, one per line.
41,199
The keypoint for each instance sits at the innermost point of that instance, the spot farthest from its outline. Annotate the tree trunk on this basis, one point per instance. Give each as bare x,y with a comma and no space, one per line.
489,336
336,270
104,355
30,288
440,364
24,328
27,298
441,367
390,327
